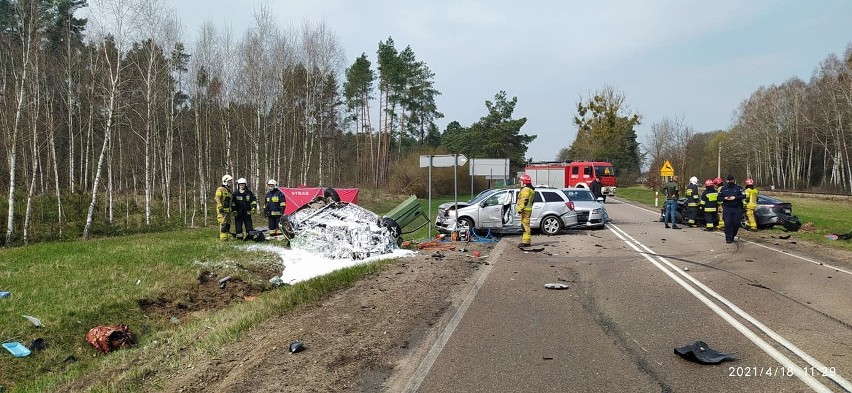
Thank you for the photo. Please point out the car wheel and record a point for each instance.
(286, 227)
(466, 224)
(679, 217)
(330, 195)
(551, 225)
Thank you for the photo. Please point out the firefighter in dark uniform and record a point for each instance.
(274, 207)
(732, 196)
(709, 204)
(223, 207)
(245, 203)
(693, 199)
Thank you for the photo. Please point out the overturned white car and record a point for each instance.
(340, 230)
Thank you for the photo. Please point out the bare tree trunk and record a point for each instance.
(34, 117)
(26, 37)
(112, 92)
(51, 141)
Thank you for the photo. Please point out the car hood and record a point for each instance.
(448, 205)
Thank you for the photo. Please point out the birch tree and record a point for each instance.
(22, 47)
(116, 15)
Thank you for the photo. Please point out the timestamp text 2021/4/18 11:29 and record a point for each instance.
(778, 371)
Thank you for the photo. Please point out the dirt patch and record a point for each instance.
(359, 339)
(214, 291)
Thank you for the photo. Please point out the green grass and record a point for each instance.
(72, 286)
(819, 217)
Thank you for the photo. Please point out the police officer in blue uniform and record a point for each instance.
(732, 196)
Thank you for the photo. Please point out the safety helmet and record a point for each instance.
(526, 179)
(749, 182)
(271, 183)
(242, 180)
(226, 179)
(708, 183)
(693, 180)
(717, 181)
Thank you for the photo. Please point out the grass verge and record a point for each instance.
(155, 283)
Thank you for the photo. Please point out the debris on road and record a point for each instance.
(700, 352)
(556, 285)
(296, 346)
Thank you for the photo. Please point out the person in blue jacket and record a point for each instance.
(731, 196)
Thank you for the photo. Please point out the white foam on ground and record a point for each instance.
(300, 265)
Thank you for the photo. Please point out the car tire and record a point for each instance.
(551, 225)
(330, 195)
(286, 227)
(467, 223)
(679, 217)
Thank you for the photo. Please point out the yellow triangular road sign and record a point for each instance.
(667, 169)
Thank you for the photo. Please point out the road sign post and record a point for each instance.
(444, 160)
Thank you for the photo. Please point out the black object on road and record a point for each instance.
(297, 346)
(700, 352)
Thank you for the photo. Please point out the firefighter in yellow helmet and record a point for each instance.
(524, 207)
(224, 198)
(750, 202)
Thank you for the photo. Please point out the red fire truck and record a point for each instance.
(573, 174)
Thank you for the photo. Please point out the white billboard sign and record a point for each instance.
(496, 167)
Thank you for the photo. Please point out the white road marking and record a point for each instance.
(815, 262)
(745, 331)
(438, 346)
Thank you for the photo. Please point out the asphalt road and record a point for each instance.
(635, 292)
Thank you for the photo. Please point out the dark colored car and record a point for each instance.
(769, 212)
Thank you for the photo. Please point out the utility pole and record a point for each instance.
(719, 162)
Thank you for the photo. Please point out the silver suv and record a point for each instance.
(495, 210)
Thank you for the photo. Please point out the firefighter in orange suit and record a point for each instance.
(750, 202)
(224, 198)
(524, 207)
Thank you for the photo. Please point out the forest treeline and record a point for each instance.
(112, 123)
(115, 123)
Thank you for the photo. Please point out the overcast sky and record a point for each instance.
(670, 58)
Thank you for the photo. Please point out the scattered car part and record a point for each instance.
(109, 338)
(35, 321)
(700, 352)
(17, 349)
(296, 346)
